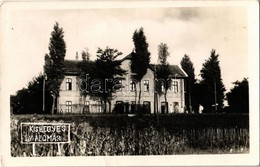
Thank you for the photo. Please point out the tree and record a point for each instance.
(187, 66)
(104, 75)
(163, 72)
(85, 55)
(238, 97)
(87, 70)
(197, 101)
(54, 62)
(141, 58)
(163, 53)
(213, 88)
(30, 100)
(108, 71)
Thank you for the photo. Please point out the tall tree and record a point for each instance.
(108, 75)
(54, 62)
(141, 58)
(238, 97)
(87, 69)
(85, 55)
(163, 73)
(213, 94)
(187, 66)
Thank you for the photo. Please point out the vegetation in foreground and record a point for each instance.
(122, 135)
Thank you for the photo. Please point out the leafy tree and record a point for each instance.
(163, 53)
(197, 92)
(141, 58)
(85, 55)
(187, 66)
(54, 62)
(106, 75)
(163, 72)
(213, 88)
(87, 70)
(238, 97)
(30, 100)
(109, 71)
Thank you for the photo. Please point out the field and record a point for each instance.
(94, 135)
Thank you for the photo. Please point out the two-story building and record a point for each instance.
(71, 100)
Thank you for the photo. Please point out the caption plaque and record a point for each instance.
(45, 133)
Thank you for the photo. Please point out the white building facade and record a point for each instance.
(71, 101)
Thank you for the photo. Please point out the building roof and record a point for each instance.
(71, 67)
(127, 57)
(176, 71)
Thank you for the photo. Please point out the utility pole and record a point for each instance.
(155, 96)
(190, 107)
(43, 92)
(215, 95)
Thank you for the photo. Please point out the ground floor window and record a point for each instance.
(126, 107)
(96, 107)
(175, 107)
(119, 102)
(132, 106)
(99, 107)
(147, 106)
(86, 107)
(164, 106)
(119, 107)
(68, 106)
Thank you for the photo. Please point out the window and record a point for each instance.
(68, 84)
(146, 85)
(118, 85)
(162, 88)
(164, 107)
(175, 86)
(68, 106)
(132, 107)
(86, 103)
(132, 86)
(175, 107)
(161, 84)
(99, 108)
(86, 108)
(119, 107)
(147, 106)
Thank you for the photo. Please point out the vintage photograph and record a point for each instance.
(128, 81)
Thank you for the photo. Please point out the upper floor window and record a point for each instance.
(146, 85)
(175, 86)
(68, 84)
(162, 88)
(118, 85)
(68, 106)
(132, 85)
(86, 103)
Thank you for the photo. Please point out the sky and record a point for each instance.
(194, 31)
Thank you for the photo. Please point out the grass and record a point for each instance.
(93, 135)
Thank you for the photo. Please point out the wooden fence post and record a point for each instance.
(33, 149)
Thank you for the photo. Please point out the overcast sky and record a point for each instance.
(194, 31)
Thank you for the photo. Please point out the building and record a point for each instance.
(71, 100)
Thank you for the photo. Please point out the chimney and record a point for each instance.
(77, 56)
